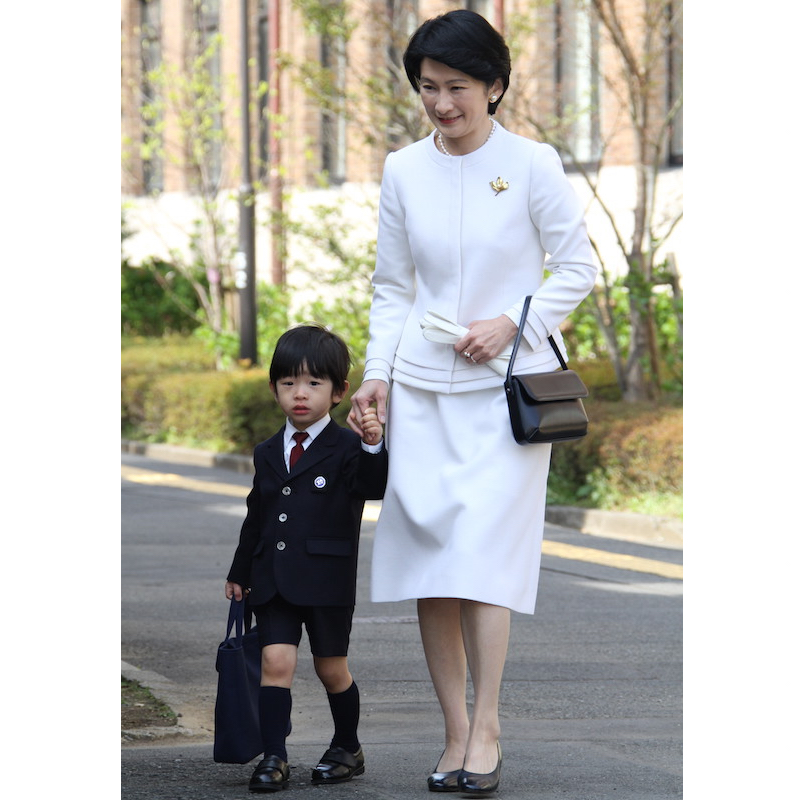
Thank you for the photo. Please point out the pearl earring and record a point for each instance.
(493, 98)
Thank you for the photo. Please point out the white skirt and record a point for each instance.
(463, 513)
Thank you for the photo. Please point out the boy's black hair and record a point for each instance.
(462, 40)
(313, 348)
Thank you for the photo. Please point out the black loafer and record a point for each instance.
(478, 784)
(271, 774)
(338, 766)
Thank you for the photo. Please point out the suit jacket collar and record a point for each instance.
(317, 450)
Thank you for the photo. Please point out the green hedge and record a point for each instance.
(181, 401)
(157, 356)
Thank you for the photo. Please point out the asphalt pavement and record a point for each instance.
(591, 706)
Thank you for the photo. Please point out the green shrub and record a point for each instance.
(156, 356)
(631, 459)
(147, 309)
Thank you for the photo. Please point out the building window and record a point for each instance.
(404, 123)
(150, 60)
(483, 7)
(206, 26)
(403, 19)
(334, 124)
(577, 81)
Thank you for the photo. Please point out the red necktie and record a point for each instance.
(297, 450)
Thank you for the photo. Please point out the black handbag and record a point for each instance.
(237, 731)
(546, 406)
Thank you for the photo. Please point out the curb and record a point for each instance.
(186, 455)
(169, 693)
(625, 526)
(642, 528)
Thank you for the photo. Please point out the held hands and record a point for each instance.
(371, 427)
(371, 391)
(487, 338)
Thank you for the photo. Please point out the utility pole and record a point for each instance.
(245, 262)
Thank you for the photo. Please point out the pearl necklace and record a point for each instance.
(448, 153)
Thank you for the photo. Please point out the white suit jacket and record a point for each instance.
(449, 242)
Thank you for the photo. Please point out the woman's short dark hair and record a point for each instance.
(462, 40)
(313, 348)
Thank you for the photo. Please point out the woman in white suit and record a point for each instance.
(469, 218)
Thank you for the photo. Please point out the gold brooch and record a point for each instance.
(499, 185)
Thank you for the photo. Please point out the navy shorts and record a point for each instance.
(328, 627)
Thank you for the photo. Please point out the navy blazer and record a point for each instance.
(300, 536)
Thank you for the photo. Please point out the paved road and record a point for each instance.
(592, 698)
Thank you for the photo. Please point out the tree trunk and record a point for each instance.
(635, 388)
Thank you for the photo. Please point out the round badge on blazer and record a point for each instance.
(320, 482)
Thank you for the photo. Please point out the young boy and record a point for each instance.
(298, 548)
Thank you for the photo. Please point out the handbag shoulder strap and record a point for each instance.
(558, 352)
(518, 339)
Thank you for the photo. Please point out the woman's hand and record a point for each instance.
(487, 338)
(371, 391)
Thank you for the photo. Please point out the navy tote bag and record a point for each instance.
(237, 733)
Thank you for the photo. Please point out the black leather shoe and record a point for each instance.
(481, 784)
(338, 766)
(271, 774)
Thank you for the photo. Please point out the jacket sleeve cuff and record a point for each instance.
(378, 369)
(535, 330)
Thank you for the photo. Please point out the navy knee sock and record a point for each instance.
(274, 713)
(346, 709)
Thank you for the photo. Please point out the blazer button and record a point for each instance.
(281, 545)
(287, 490)
(283, 517)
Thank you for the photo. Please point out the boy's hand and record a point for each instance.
(233, 590)
(371, 427)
